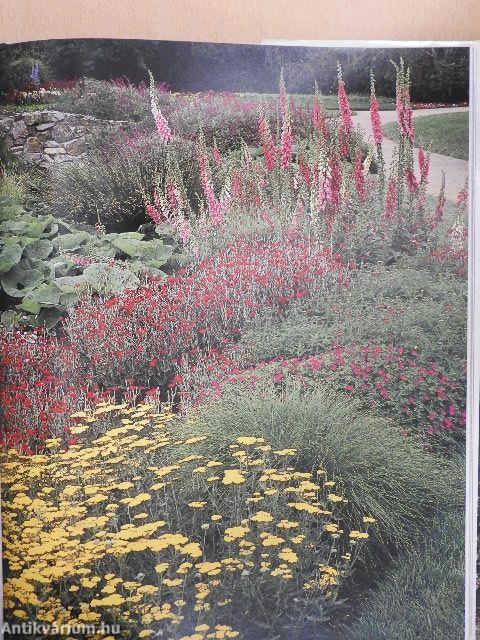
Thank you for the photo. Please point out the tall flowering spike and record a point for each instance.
(305, 171)
(343, 140)
(153, 213)
(402, 102)
(411, 180)
(344, 105)
(287, 145)
(375, 113)
(161, 123)
(268, 144)
(286, 151)
(283, 95)
(438, 215)
(424, 165)
(390, 200)
(461, 200)
(359, 177)
(216, 155)
(318, 116)
(215, 209)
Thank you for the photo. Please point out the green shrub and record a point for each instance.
(114, 182)
(226, 126)
(107, 101)
(385, 475)
(422, 596)
(405, 306)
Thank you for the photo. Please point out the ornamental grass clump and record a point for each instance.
(133, 524)
(380, 470)
(430, 579)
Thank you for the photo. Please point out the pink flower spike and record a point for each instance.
(375, 115)
(153, 213)
(216, 155)
(161, 123)
(344, 107)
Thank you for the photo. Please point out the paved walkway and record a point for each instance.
(456, 170)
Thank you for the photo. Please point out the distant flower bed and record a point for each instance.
(438, 105)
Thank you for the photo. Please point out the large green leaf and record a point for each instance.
(71, 241)
(46, 294)
(135, 248)
(39, 249)
(105, 278)
(29, 306)
(17, 282)
(10, 256)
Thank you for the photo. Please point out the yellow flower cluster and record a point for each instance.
(124, 527)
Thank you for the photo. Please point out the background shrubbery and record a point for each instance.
(439, 73)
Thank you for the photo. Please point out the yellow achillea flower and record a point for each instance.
(197, 505)
(304, 506)
(248, 440)
(369, 520)
(114, 600)
(270, 540)
(334, 498)
(209, 568)
(287, 524)
(262, 516)
(331, 527)
(76, 431)
(161, 567)
(172, 583)
(288, 555)
(233, 476)
(184, 567)
(298, 539)
(134, 502)
(358, 535)
(192, 549)
(232, 533)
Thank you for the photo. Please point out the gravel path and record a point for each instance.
(456, 170)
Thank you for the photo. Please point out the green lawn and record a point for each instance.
(357, 102)
(446, 133)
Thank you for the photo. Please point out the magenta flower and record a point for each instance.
(424, 165)
(216, 155)
(287, 145)
(390, 200)
(318, 119)
(375, 115)
(344, 107)
(359, 177)
(268, 144)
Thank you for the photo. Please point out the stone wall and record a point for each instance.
(43, 137)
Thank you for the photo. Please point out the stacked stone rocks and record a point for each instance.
(46, 137)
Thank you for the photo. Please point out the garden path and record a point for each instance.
(456, 170)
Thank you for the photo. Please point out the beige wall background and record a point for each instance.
(240, 20)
